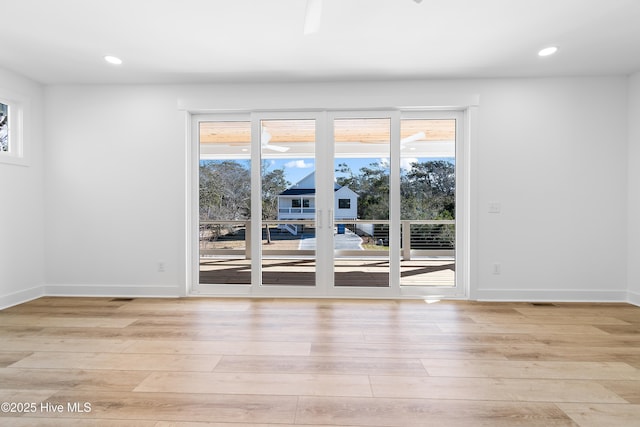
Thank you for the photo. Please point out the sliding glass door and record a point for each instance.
(330, 203)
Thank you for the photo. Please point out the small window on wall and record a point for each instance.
(11, 148)
(295, 203)
(4, 128)
(344, 203)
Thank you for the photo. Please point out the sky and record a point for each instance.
(296, 169)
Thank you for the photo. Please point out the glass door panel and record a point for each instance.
(428, 202)
(224, 202)
(361, 202)
(288, 187)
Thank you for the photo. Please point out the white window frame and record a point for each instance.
(17, 147)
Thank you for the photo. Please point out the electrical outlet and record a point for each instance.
(496, 268)
(161, 266)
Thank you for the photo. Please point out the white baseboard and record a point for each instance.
(561, 295)
(126, 291)
(20, 297)
(132, 291)
(633, 298)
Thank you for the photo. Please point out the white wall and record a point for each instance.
(634, 190)
(115, 196)
(551, 151)
(21, 201)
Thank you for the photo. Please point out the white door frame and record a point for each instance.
(324, 167)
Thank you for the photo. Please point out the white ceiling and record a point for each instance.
(202, 41)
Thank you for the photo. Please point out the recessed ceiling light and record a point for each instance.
(548, 51)
(113, 60)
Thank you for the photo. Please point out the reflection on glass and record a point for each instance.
(225, 202)
(428, 202)
(288, 202)
(361, 206)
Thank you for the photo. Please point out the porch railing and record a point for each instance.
(297, 211)
(419, 238)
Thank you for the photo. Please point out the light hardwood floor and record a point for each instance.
(267, 362)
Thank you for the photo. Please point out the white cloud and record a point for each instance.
(405, 162)
(300, 164)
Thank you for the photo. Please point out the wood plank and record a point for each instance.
(596, 415)
(112, 361)
(220, 347)
(547, 320)
(59, 379)
(321, 365)
(48, 321)
(421, 412)
(43, 343)
(12, 357)
(628, 389)
(531, 328)
(279, 383)
(531, 369)
(507, 389)
(419, 337)
(24, 395)
(395, 350)
(228, 333)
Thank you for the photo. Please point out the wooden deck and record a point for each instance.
(348, 272)
(332, 363)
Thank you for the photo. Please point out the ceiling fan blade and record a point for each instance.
(265, 137)
(277, 148)
(313, 16)
(415, 137)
